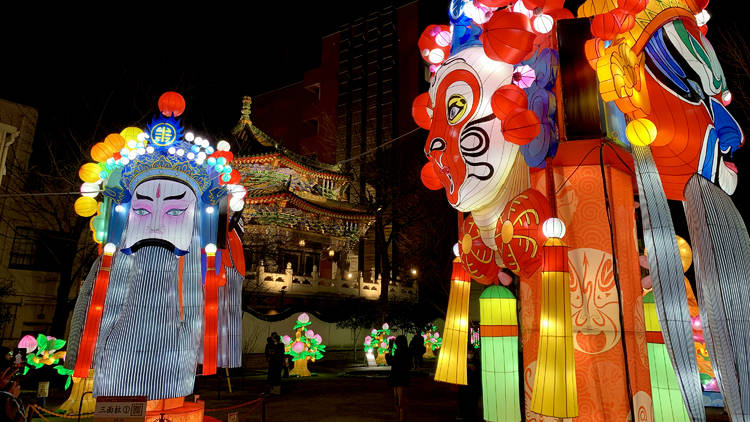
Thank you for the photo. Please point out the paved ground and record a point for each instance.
(338, 392)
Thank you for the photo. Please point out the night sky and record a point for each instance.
(91, 76)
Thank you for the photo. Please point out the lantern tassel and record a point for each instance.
(451, 366)
(555, 392)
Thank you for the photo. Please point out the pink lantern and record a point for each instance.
(318, 338)
(524, 76)
(303, 318)
(286, 339)
(385, 326)
(309, 334)
(298, 346)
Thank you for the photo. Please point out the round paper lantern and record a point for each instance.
(101, 151)
(127, 134)
(89, 173)
(318, 338)
(303, 318)
(118, 141)
(90, 189)
(421, 111)
(286, 339)
(85, 206)
(520, 126)
(508, 37)
(543, 23)
(641, 132)
(309, 334)
(429, 179)
(171, 104)
(507, 98)
(625, 20)
(632, 6)
(605, 26)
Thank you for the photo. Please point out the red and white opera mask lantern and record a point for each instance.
(466, 146)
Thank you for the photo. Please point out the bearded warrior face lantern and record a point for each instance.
(170, 276)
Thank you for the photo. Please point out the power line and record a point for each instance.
(369, 151)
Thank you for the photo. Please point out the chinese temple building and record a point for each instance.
(300, 232)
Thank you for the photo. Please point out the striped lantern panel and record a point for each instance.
(499, 333)
(665, 266)
(230, 321)
(721, 248)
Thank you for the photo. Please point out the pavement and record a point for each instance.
(338, 391)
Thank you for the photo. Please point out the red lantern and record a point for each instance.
(507, 98)
(234, 177)
(604, 26)
(435, 43)
(477, 258)
(429, 179)
(625, 20)
(508, 37)
(560, 13)
(520, 126)
(421, 110)
(632, 6)
(171, 104)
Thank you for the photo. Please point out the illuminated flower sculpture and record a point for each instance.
(432, 342)
(377, 343)
(305, 346)
(165, 294)
(664, 76)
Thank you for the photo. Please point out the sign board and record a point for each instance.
(120, 409)
(43, 389)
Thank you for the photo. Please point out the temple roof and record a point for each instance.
(256, 146)
(310, 203)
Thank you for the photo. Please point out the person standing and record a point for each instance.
(400, 362)
(417, 349)
(274, 355)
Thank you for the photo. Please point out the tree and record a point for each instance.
(357, 319)
(377, 342)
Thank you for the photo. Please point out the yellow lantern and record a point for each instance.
(101, 151)
(89, 173)
(130, 134)
(86, 206)
(451, 366)
(641, 132)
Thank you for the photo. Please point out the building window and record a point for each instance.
(37, 250)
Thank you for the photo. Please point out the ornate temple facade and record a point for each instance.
(300, 230)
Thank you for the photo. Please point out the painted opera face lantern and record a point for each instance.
(161, 214)
(465, 145)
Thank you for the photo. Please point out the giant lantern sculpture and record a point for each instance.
(165, 294)
(534, 202)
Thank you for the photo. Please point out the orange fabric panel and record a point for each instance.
(654, 337)
(599, 358)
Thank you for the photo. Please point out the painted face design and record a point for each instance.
(161, 210)
(465, 144)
